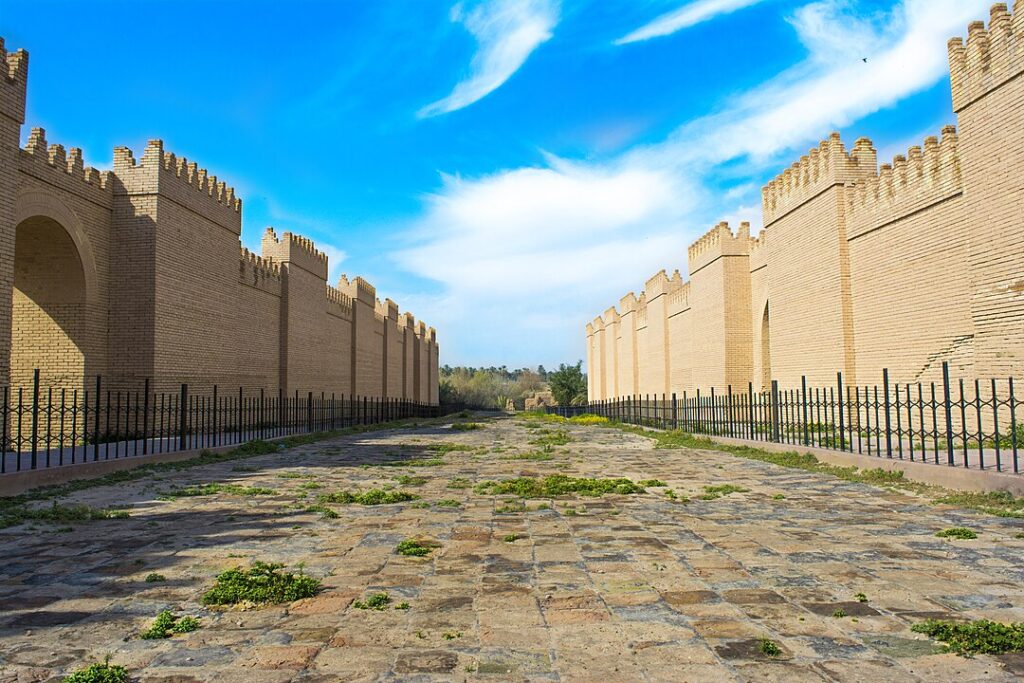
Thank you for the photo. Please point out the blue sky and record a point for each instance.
(504, 169)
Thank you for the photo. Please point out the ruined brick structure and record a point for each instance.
(859, 267)
(138, 273)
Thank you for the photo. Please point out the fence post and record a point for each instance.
(803, 408)
(35, 415)
(949, 417)
(364, 419)
(1013, 427)
(775, 410)
(145, 416)
(96, 421)
(750, 409)
(182, 419)
(732, 417)
(888, 420)
(842, 422)
(675, 412)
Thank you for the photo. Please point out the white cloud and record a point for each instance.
(506, 31)
(522, 247)
(686, 16)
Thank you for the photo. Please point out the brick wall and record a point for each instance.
(859, 267)
(139, 274)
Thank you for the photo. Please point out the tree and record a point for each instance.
(568, 384)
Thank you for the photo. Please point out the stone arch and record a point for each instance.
(766, 349)
(55, 287)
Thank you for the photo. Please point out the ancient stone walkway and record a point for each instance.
(618, 588)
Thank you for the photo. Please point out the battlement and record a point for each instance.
(611, 316)
(628, 303)
(823, 167)
(338, 303)
(358, 289)
(66, 168)
(391, 310)
(990, 57)
(14, 83)
(258, 272)
(294, 249)
(679, 299)
(407, 321)
(759, 251)
(717, 242)
(160, 172)
(909, 183)
(660, 283)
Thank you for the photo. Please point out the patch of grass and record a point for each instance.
(213, 489)
(960, 532)
(166, 624)
(444, 447)
(558, 485)
(511, 538)
(403, 605)
(376, 601)
(467, 426)
(324, 511)
(310, 485)
(860, 597)
(451, 635)
(768, 647)
(651, 482)
(778, 496)
(974, 637)
(713, 492)
(99, 673)
(262, 583)
(589, 419)
(839, 613)
(447, 503)
(558, 437)
(510, 507)
(460, 483)
(998, 503)
(541, 455)
(410, 547)
(58, 514)
(407, 480)
(416, 462)
(370, 497)
(1020, 535)
(155, 578)
(294, 475)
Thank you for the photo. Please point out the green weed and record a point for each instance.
(974, 637)
(155, 578)
(413, 548)
(376, 601)
(370, 497)
(558, 485)
(166, 624)
(713, 492)
(99, 673)
(262, 583)
(213, 489)
(58, 514)
(467, 426)
(957, 532)
(768, 648)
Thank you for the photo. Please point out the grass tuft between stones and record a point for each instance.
(262, 583)
(558, 485)
(99, 673)
(957, 532)
(370, 497)
(768, 648)
(166, 624)
(974, 637)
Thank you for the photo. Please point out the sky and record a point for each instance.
(505, 170)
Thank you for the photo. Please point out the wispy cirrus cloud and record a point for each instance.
(686, 16)
(507, 32)
(567, 239)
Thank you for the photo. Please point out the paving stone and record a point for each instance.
(633, 587)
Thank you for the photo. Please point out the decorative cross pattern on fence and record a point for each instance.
(46, 427)
(972, 424)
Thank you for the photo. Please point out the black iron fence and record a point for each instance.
(48, 427)
(973, 424)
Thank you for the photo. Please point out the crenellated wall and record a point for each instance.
(859, 267)
(139, 274)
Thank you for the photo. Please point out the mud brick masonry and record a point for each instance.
(859, 267)
(139, 273)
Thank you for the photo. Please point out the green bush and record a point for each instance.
(414, 548)
(262, 583)
(370, 497)
(957, 532)
(166, 624)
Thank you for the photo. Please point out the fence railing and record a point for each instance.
(47, 427)
(973, 424)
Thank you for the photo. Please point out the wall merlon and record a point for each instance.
(64, 168)
(14, 84)
(258, 273)
(717, 242)
(294, 249)
(911, 182)
(339, 303)
(990, 57)
(823, 167)
(391, 311)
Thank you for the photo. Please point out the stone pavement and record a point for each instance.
(618, 588)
